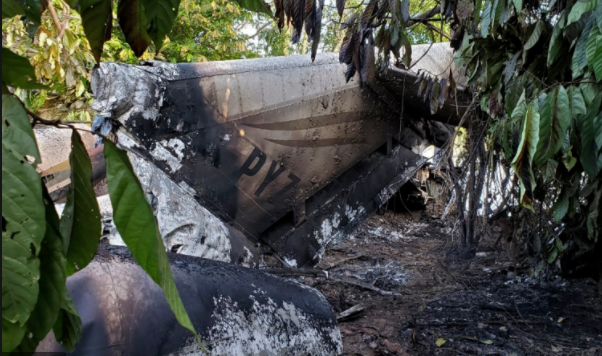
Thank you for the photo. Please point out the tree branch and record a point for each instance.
(259, 31)
(422, 18)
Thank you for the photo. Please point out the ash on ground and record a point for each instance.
(411, 297)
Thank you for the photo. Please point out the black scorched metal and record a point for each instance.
(281, 150)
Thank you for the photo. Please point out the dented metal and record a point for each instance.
(276, 148)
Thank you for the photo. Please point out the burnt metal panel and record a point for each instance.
(236, 311)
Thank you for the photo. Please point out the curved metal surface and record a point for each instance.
(255, 141)
(236, 311)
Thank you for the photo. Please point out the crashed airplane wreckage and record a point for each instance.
(240, 159)
(277, 152)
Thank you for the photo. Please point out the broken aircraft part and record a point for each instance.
(281, 149)
(236, 311)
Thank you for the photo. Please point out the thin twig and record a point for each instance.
(367, 287)
(294, 272)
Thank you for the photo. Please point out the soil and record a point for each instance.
(421, 299)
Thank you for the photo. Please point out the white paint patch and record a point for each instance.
(163, 154)
(269, 330)
(291, 262)
(248, 258)
(177, 147)
(352, 214)
(123, 91)
(227, 138)
(184, 224)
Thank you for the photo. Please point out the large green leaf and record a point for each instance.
(17, 71)
(523, 161)
(255, 6)
(597, 59)
(17, 133)
(561, 208)
(556, 49)
(536, 35)
(12, 334)
(590, 91)
(68, 327)
(555, 119)
(518, 5)
(23, 217)
(136, 223)
(580, 56)
(52, 282)
(97, 19)
(592, 46)
(578, 106)
(598, 15)
(591, 130)
(511, 67)
(581, 8)
(11, 8)
(134, 24)
(81, 224)
(486, 19)
(160, 15)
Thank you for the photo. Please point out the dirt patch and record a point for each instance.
(418, 299)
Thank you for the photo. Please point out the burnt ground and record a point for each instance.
(433, 303)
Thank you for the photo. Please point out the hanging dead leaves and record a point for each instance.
(302, 14)
(389, 19)
(436, 91)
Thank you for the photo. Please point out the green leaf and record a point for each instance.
(17, 133)
(136, 223)
(11, 8)
(256, 6)
(81, 224)
(550, 170)
(161, 15)
(23, 216)
(581, 8)
(22, 210)
(559, 244)
(52, 282)
(591, 130)
(134, 24)
(521, 107)
(553, 256)
(580, 56)
(561, 208)
(486, 20)
(511, 67)
(598, 15)
(12, 334)
(589, 91)
(597, 60)
(17, 72)
(555, 120)
(556, 44)
(97, 19)
(578, 107)
(441, 342)
(518, 5)
(536, 35)
(68, 327)
(522, 163)
(568, 160)
(592, 47)
(496, 12)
